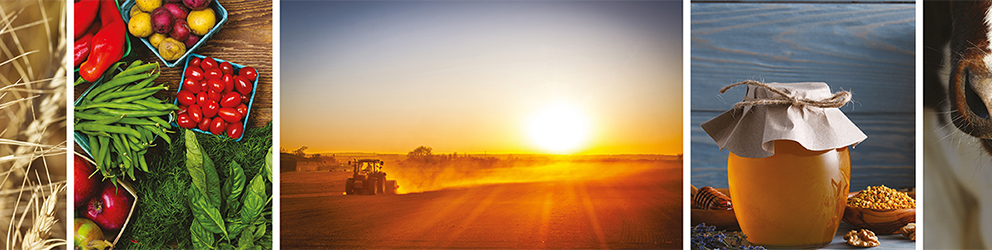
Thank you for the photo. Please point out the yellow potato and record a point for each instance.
(148, 5)
(140, 25)
(171, 49)
(201, 21)
(156, 39)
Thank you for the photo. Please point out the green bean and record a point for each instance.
(133, 64)
(123, 151)
(156, 105)
(142, 163)
(116, 82)
(135, 121)
(127, 99)
(145, 83)
(107, 128)
(144, 113)
(136, 68)
(160, 122)
(109, 120)
(112, 105)
(161, 133)
(145, 134)
(129, 94)
(90, 116)
(105, 152)
(95, 148)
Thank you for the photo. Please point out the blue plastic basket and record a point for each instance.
(218, 10)
(80, 138)
(254, 89)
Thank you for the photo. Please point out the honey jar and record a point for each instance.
(789, 165)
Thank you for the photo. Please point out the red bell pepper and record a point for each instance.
(85, 12)
(109, 12)
(107, 48)
(81, 49)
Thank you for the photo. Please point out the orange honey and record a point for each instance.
(793, 199)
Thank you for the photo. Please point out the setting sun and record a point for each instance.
(559, 129)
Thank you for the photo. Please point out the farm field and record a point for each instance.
(635, 206)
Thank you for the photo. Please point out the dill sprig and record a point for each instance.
(706, 238)
(163, 216)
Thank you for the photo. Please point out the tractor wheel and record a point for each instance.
(370, 186)
(349, 187)
(381, 187)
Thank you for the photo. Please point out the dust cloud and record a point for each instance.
(457, 172)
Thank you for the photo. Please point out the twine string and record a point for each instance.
(838, 100)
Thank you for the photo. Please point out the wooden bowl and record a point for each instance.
(722, 219)
(880, 221)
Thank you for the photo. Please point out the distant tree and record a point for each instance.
(301, 152)
(283, 150)
(422, 153)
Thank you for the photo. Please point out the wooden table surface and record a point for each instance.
(866, 48)
(245, 39)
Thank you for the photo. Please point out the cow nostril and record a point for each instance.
(975, 102)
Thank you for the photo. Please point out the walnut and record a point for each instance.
(909, 231)
(863, 238)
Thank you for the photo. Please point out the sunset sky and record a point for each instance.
(472, 77)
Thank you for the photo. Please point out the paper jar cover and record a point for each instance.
(750, 131)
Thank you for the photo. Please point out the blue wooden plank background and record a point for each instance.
(868, 49)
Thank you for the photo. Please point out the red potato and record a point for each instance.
(197, 4)
(162, 20)
(178, 11)
(180, 30)
(192, 40)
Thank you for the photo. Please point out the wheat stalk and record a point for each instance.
(32, 105)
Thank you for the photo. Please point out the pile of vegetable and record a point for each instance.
(98, 42)
(121, 119)
(99, 206)
(165, 216)
(171, 27)
(214, 97)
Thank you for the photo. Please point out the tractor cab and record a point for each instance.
(368, 178)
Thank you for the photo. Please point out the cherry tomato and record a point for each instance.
(243, 85)
(228, 83)
(195, 113)
(208, 63)
(249, 72)
(242, 109)
(245, 99)
(195, 73)
(235, 129)
(195, 62)
(230, 100)
(217, 126)
(202, 98)
(210, 110)
(182, 109)
(226, 68)
(186, 98)
(229, 114)
(191, 85)
(216, 85)
(214, 96)
(184, 121)
(204, 125)
(213, 73)
(203, 86)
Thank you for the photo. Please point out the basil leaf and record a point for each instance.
(268, 165)
(236, 183)
(225, 246)
(200, 237)
(206, 214)
(194, 160)
(246, 241)
(254, 200)
(212, 181)
(259, 231)
(234, 228)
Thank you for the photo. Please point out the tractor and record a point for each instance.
(368, 178)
